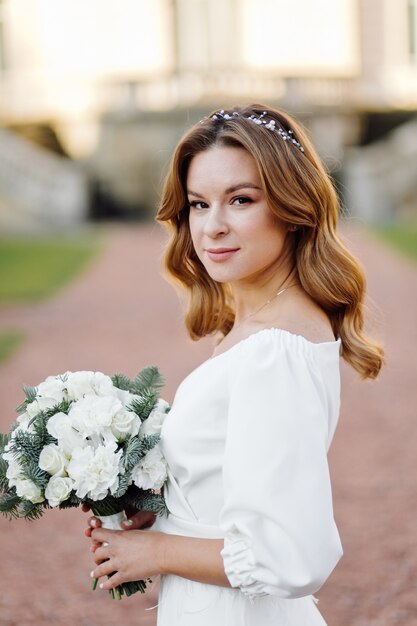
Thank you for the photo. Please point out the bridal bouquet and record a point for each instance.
(83, 437)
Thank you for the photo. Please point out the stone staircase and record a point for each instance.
(39, 190)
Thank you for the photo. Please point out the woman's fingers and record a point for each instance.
(141, 519)
(100, 535)
(104, 569)
(101, 553)
(111, 582)
(93, 522)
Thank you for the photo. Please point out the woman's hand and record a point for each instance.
(126, 556)
(140, 519)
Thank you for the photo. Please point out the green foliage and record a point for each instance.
(108, 506)
(145, 500)
(149, 378)
(60, 407)
(9, 342)
(135, 450)
(146, 386)
(122, 382)
(124, 481)
(27, 445)
(30, 511)
(401, 235)
(30, 393)
(144, 403)
(35, 473)
(39, 426)
(3, 463)
(30, 396)
(132, 453)
(4, 440)
(9, 504)
(32, 269)
(43, 416)
(72, 502)
(149, 441)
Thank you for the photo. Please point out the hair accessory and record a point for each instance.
(286, 135)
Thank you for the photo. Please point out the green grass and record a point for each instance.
(33, 269)
(9, 342)
(401, 236)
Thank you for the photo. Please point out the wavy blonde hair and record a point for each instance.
(299, 192)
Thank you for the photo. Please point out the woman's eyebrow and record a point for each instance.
(229, 189)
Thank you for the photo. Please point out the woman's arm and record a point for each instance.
(139, 554)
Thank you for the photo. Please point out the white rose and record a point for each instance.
(125, 397)
(60, 427)
(53, 387)
(52, 460)
(29, 491)
(80, 384)
(58, 489)
(95, 472)
(94, 415)
(14, 469)
(38, 405)
(151, 471)
(153, 424)
(125, 423)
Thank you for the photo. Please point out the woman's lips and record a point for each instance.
(220, 254)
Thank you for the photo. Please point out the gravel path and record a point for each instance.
(121, 316)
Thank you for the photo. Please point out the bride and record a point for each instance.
(251, 534)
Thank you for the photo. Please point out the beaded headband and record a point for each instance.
(286, 135)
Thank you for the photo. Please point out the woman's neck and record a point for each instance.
(249, 298)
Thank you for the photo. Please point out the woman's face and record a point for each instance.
(234, 233)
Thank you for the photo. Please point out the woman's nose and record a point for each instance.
(216, 223)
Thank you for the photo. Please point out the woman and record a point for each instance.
(251, 535)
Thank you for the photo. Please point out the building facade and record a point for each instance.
(131, 74)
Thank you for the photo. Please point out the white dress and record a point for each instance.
(246, 442)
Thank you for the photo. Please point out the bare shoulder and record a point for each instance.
(301, 315)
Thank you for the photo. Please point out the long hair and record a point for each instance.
(300, 193)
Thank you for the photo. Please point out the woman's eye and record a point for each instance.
(241, 200)
(196, 204)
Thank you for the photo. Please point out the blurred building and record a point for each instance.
(118, 81)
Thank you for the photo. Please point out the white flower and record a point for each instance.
(151, 471)
(153, 424)
(23, 420)
(38, 405)
(53, 387)
(94, 415)
(29, 491)
(52, 460)
(60, 427)
(95, 472)
(80, 384)
(14, 469)
(58, 489)
(125, 423)
(124, 396)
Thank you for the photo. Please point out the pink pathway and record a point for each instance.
(120, 316)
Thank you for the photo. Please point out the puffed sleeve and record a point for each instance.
(277, 517)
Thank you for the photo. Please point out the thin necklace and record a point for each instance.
(278, 293)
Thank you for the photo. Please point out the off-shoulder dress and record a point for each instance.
(246, 442)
